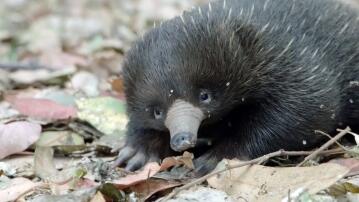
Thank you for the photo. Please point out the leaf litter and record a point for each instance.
(62, 116)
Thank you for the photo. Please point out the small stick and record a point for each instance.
(325, 146)
(256, 161)
(21, 66)
(241, 164)
(330, 137)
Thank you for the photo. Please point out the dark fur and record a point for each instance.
(277, 94)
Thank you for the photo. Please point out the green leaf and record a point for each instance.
(107, 114)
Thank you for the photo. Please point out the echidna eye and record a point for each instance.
(205, 97)
(157, 113)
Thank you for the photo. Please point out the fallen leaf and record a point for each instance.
(77, 196)
(299, 195)
(185, 159)
(111, 141)
(201, 193)
(260, 183)
(17, 136)
(37, 32)
(54, 94)
(83, 182)
(45, 167)
(109, 60)
(91, 46)
(39, 75)
(351, 197)
(83, 149)
(152, 186)
(107, 114)
(102, 104)
(13, 189)
(117, 85)
(6, 111)
(22, 164)
(112, 193)
(86, 82)
(98, 198)
(42, 109)
(23, 93)
(54, 138)
(181, 167)
(342, 189)
(98, 43)
(148, 171)
(6, 169)
(60, 61)
(350, 163)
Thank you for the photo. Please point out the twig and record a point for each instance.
(21, 66)
(330, 137)
(264, 158)
(325, 146)
(229, 167)
(251, 162)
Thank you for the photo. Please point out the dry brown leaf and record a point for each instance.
(142, 179)
(17, 187)
(152, 186)
(117, 85)
(260, 183)
(148, 171)
(185, 159)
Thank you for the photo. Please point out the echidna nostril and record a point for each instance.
(182, 141)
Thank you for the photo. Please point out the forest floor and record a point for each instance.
(62, 117)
